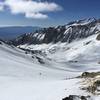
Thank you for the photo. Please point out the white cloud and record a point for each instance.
(36, 15)
(31, 9)
(1, 6)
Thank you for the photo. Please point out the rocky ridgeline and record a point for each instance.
(66, 33)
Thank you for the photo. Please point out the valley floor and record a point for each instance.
(14, 89)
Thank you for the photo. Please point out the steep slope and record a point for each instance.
(67, 33)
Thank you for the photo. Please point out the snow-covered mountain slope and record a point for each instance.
(79, 55)
(14, 62)
(66, 33)
(49, 74)
(24, 78)
(49, 70)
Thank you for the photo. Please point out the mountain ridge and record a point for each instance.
(64, 33)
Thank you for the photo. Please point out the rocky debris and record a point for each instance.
(40, 60)
(76, 97)
(91, 82)
(29, 51)
(73, 61)
(98, 37)
(87, 43)
(93, 86)
(36, 54)
(89, 74)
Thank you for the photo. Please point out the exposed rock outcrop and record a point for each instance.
(66, 33)
(76, 97)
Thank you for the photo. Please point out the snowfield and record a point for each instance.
(37, 90)
(23, 77)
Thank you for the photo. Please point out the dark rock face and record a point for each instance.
(0, 43)
(75, 97)
(89, 74)
(98, 37)
(66, 33)
(40, 60)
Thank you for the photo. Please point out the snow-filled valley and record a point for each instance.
(56, 63)
(84, 53)
(49, 74)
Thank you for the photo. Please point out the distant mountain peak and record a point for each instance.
(83, 21)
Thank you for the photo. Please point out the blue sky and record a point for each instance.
(61, 12)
